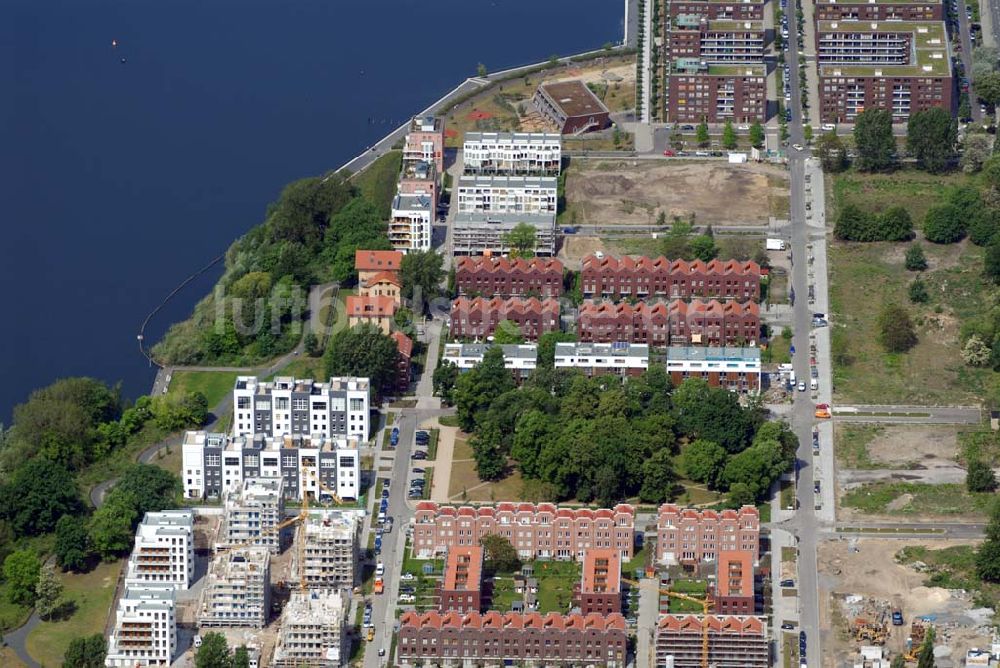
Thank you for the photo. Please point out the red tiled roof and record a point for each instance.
(691, 513)
(385, 277)
(630, 264)
(372, 260)
(370, 306)
(404, 344)
(718, 624)
(491, 511)
(495, 619)
(513, 305)
(507, 265)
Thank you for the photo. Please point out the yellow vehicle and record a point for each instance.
(371, 633)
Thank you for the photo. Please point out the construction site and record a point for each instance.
(311, 632)
(873, 608)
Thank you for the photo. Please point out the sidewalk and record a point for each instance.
(442, 465)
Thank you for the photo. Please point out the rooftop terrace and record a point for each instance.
(929, 55)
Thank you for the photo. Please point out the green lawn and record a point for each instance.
(850, 443)
(693, 588)
(305, 367)
(215, 385)
(555, 585)
(864, 276)
(91, 593)
(979, 445)
(11, 614)
(170, 461)
(924, 499)
(637, 562)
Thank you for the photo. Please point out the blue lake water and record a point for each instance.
(118, 180)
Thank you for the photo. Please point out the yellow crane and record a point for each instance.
(705, 603)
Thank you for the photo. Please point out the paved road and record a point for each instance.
(992, 7)
(909, 414)
(966, 56)
(929, 530)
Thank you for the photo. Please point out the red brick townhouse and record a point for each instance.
(733, 591)
(404, 353)
(503, 277)
(600, 587)
(462, 586)
(688, 536)
(433, 638)
(536, 531)
(478, 318)
(677, 323)
(643, 277)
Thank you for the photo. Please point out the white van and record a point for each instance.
(813, 384)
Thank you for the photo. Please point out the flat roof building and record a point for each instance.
(623, 359)
(331, 550)
(163, 553)
(734, 368)
(410, 222)
(425, 141)
(879, 10)
(733, 592)
(237, 590)
(901, 66)
(727, 10)
(286, 405)
(512, 153)
(461, 588)
(485, 233)
(314, 465)
(732, 641)
(521, 359)
(253, 508)
(571, 107)
(600, 587)
(312, 630)
(506, 194)
(145, 631)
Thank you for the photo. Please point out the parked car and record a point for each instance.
(407, 598)
(687, 128)
(407, 577)
(569, 230)
(816, 486)
(669, 153)
(419, 454)
(788, 626)
(787, 583)
(418, 471)
(802, 386)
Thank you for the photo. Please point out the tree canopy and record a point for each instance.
(873, 137)
(37, 495)
(521, 240)
(86, 652)
(931, 136)
(363, 351)
(421, 273)
(895, 329)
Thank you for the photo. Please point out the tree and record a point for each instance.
(507, 332)
(975, 352)
(86, 652)
(895, 329)
(703, 247)
(48, 591)
(72, 547)
(520, 240)
(984, 225)
(807, 133)
(701, 134)
(213, 653)
(20, 571)
(979, 476)
(547, 346)
(988, 556)
(930, 138)
(363, 351)
(729, 136)
(757, 135)
(421, 273)
(976, 152)
(991, 261)
(240, 658)
(481, 70)
(894, 224)
(711, 413)
(154, 488)
(754, 470)
(915, 260)
(173, 412)
(444, 381)
(944, 224)
(499, 554)
(874, 140)
(704, 462)
(987, 87)
(38, 494)
(918, 292)
(832, 155)
(477, 388)
(311, 344)
(925, 657)
(658, 478)
(112, 525)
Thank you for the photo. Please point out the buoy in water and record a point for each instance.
(124, 61)
(114, 43)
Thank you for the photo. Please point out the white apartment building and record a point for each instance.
(316, 465)
(512, 153)
(312, 630)
(624, 359)
(331, 551)
(411, 222)
(506, 194)
(521, 359)
(237, 590)
(145, 632)
(336, 409)
(736, 369)
(253, 508)
(164, 550)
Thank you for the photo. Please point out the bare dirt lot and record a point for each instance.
(925, 453)
(867, 568)
(634, 192)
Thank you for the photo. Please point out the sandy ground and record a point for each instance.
(624, 73)
(575, 248)
(867, 567)
(624, 192)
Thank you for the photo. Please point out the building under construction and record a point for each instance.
(312, 630)
(254, 507)
(733, 640)
(330, 553)
(237, 590)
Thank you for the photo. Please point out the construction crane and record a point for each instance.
(705, 603)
